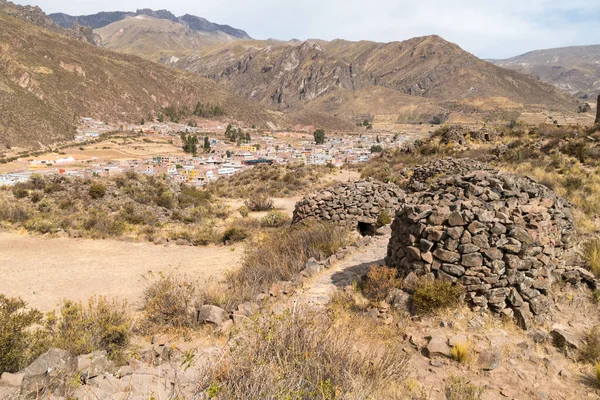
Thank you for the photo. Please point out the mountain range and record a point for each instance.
(124, 66)
(48, 81)
(102, 19)
(574, 69)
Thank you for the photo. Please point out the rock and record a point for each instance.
(410, 282)
(211, 314)
(226, 327)
(247, 309)
(51, 372)
(94, 364)
(457, 339)
(538, 335)
(437, 347)
(565, 339)
(489, 360)
(13, 380)
(523, 317)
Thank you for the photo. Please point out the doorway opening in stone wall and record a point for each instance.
(367, 229)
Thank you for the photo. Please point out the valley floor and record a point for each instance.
(44, 271)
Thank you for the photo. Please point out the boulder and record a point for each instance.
(211, 314)
(51, 372)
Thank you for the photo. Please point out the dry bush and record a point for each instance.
(169, 301)
(275, 219)
(379, 281)
(234, 234)
(97, 190)
(433, 295)
(304, 355)
(275, 180)
(597, 373)
(590, 352)
(98, 325)
(259, 202)
(20, 341)
(458, 388)
(283, 253)
(244, 211)
(384, 219)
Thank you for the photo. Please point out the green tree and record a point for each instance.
(206, 145)
(366, 122)
(143, 121)
(190, 143)
(160, 117)
(376, 148)
(377, 139)
(228, 154)
(319, 136)
(248, 138)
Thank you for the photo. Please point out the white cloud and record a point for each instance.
(490, 29)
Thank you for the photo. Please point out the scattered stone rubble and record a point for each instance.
(503, 237)
(351, 203)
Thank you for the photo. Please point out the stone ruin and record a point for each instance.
(501, 236)
(425, 174)
(353, 204)
(457, 134)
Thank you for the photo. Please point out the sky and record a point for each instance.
(486, 28)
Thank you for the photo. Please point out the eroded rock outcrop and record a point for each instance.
(503, 237)
(351, 203)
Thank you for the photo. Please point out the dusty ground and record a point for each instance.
(43, 271)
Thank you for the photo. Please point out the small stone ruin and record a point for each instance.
(425, 174)
(499, 235)
(353, 204)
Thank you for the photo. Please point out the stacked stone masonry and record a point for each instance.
(351, 203)
(499, 235)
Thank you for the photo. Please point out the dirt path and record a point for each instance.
(317, 292)
(43, 271)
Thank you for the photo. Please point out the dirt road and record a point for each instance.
(43, 271)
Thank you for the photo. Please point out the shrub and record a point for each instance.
(234, 234)
(259, 202)
(432, 295)
(461, 352)
(20, 343)
(458, 388)
(99, 325)
(275, 219)
(591, 252)
(20, 193)
(384, 219)
(169, 301)
(283, 253)
(590, 352)
(304, 355)
(379, 281)
(97, 190)
(244, 211)
(597, 373)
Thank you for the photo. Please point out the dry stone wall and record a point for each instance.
(499, 235)
(351, 203)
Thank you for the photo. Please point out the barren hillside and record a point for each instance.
(574, 69)
(48, 81)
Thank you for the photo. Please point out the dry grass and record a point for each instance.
(283, 253)
(434, 295)
(590, 352)
(128, 204)
(379, 281)
(271, 181)
(591, 252)
(458, 388)
(461, 352)
(305, 354)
